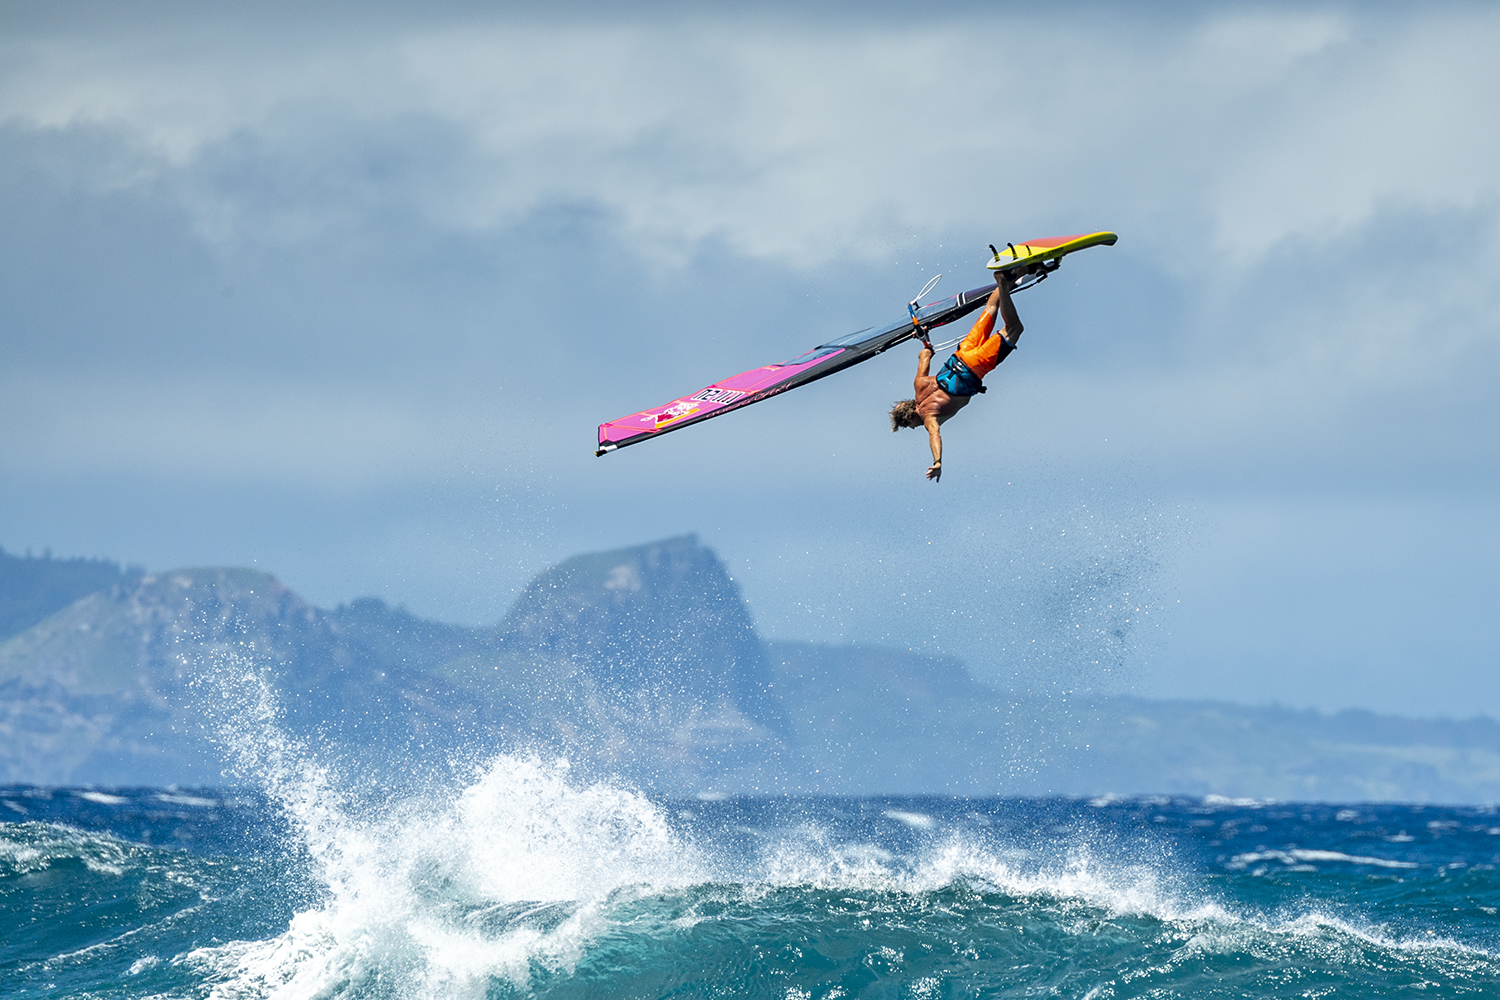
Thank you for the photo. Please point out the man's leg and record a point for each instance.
(984, 358)
(979, 332)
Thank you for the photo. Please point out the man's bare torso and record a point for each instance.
(934, 401)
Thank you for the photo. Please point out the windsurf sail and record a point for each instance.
(761, 383)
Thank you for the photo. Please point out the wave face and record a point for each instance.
(531, 881)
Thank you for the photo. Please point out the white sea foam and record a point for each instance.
(21, 858)
(1336, 940)
(143, 963)
(28, 847)
(1123, 888)
(440, 898)
(1238, 803)
(1291, 857)
(1153, 891)
(807, 855)
(532, 834)
(916, 820)
(196, 801)
(1080, 875)
(510, 875)
(526, 867)
(103, 799)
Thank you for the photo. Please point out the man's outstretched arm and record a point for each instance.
(924, 360)
(935, 442)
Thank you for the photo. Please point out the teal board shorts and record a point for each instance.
(958, 379)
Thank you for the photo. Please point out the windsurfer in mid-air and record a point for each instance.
(936, 400)
(940, 397)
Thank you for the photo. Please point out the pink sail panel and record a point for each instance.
(705, 401)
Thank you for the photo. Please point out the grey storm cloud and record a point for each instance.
(361, 282)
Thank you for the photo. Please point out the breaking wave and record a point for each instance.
(527, 878)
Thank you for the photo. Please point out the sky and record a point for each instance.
(342, 294)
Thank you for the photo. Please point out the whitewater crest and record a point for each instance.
(510, 874)
(527, 876)
(440, 894)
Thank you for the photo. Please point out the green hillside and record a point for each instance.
(34, 587)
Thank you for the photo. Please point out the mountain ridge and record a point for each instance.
(644, 662)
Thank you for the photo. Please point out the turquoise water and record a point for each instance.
(529, 881)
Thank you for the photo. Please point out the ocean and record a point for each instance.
(527, 879)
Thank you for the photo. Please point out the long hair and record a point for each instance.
(904, 414)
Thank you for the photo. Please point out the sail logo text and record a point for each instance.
(716, 395)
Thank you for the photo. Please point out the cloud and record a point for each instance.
(237, 434)
(781, 138)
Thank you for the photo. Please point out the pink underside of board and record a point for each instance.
(661, 417)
